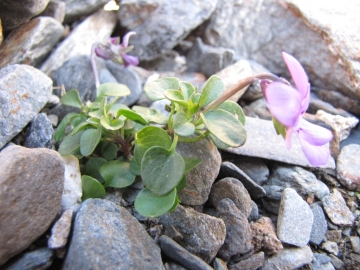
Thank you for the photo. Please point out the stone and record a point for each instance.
(333, 235)
(179, 254)
(203, 235)
(219, 264)
(75, 9)
(319, 104)
(200, 179)
(31, 185)
(254, 215)
(319, 227)
(24, 91)
(254, 262)
(233, 189)
(330, 247)
(347, 167)
(289, 258)
(40, 258)
(238, 231)
(30, 43)
(14, 14)
(40, 133)
(95, 28)
(264, 236)
(355, 243)
(55, 9)
(295, 219)
(338, 264)
(158, 32)
(321, 261)
(170, 61)
(71, 196)
(263, 142)
(61, 230)
(255, 168)
(336, 209)
(231, 170)
(260, 108)
(114, 225)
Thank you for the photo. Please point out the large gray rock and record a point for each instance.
(39, 259)
(77, 8)
(325, 41)
(319, 227)
(107, 236)
(24, 91)
(31, 185)
(40, 133)
(31, 43)
(347, 167)
(159, 32)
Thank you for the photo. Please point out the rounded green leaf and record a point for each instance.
(151, 115)
(91, 187)
(113, 89)
(181, 126)
(117, 174)
(109, 150)
(149, 204)
(187, 89)
(161, 170)
(225, 127)
(233, 108)
(60, 131)
(155, 89)
(72, 98)
(213, 88)
(135, 167)
(177, 97)
(191, 163)
(70, 144)
(92, 167)
(153, 136)
(80, 127)
(111, 124)
(132, 115)
(89, 140)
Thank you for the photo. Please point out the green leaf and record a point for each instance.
(182, 184)
(109, 124)
(150, 204)
(175, 205)
(109, 150)
(132, 115)
(80, 127)
(191, 163)
(233, 108)
(219, 144)
(92, 167)
(113, 89)
(213, 88)
(187, 89)
(60, 131)
(225, 127)
(181, 126)
(91, 187)
(151, 115)
(177, 97)
(280, 128)
(161, 169)
(89, 140)
(135, 167)
(72, 98)
(196, 98)
(93, 121)
(113, 110)
(155, 89)
(153, 136)
(70, 144)
(117, 174)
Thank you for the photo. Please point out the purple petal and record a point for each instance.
(130, 60)
(125, 41)
(297, 73)
(314, 134)
(289, 132)
(316, 155)
(103, 53)
(284, 103)
(114, 40)
(306, 101)
(263, 85)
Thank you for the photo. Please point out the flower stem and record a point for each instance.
(93, 64)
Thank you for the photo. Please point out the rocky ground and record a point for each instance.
(259, 206)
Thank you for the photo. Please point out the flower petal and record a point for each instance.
(130, 60)
(284, 103)
(314, 134)
(102, 52)
(316, 155)
(125, 41)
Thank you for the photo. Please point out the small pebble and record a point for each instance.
(330, 247)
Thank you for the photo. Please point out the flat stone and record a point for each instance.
(61, 230)
(55, 9)
(355, 243)
(219, 264)
(263, 142)
(321, 262)
(317, 103)
(31, 183)
(40, 133)
(347, 167)
(319, 227)
(40, 258)
(24, 91)
(75, 9)
(333, 235)
(330, 247)
(31, 43)
(254, 262)
(114, 225)
(255, 168)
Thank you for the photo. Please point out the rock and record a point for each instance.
(219, 264)
(263, 142)
(295, 219)
(75, 9)
(95, 28)
(24, 91)
(254, 215)
(338, 264)
(238, 231)
(330, 247)
(203, 235)
(355, 243)
(233, 189)
(320, 45)
(336, 209)
(71, 197)
(200, 179)
(319, 104)
(264, 236)
(31, 185)
(333, 235)
(347, 166)
(289, 258)
(354, 138)
(101, 219)
(173, 266)
(259, 108)
(179, 254)
(41, 258)
(30, 43)
(270, 205)
(55, 9)
(319, 227)
(158, 32)
(14, 14)
(321, 261)
(255, 168)
(252, 263)
(61, 230)
(40, 133)
(169, 61)
(229, 169)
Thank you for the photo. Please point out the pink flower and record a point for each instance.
(288, 105)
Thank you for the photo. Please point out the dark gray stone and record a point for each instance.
(347, 167)
(354, 138)
(40, 133)
(317, 103)
(321, 261)
(75, 9)
(255, 168)
(170, 61)
(252, 263)
(219, 264)
(39, 259)
(106, 236)
(55, 9)
(180, 255)
(254, 215)
(319, 227)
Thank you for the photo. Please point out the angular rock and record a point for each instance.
(347, 167)
(252, 263)
(336, 209)
(263, 142)
(55, 9)
(40, 133)
(169, 61)
(321, 261)
(95, 28)
(31, 185)
(254, 215)
(13, 14)
(330, 247)
(31, 43)
(179, 254)
(255, 168)
(41, 258)
(200, 179)
(159, 32)
(75, 9)
(24, 91)
(219, 264)
(355, 243)
(317, 103)
(319, 227)
(61, 230)
(101, 219)
(233, 189)
(203, 235)
(259, 108)
(295, 219)
(333, 235)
